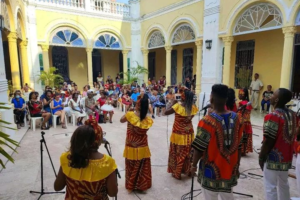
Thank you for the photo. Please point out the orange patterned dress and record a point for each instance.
(137, 153)
(88, 182)
(181, 140)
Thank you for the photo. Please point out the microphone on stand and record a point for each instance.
(206, 107)
(104, 141)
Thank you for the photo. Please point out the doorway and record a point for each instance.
(296, 70)
(60, 61)
(97, 64)
(151, 64)
(174, 67)
(187, 67)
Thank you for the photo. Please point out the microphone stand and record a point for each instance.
(110, 154)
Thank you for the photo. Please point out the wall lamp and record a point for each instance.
(208, 44)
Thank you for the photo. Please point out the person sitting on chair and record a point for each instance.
(75, 109)
(35, 109)
(266, 99)
(91, 105)
(19, 108)
(58, 109)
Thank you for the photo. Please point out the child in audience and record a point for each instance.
(266, 99)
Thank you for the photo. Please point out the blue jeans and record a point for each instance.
(263, 102)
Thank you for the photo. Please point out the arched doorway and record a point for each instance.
(97, 64)
(60, 61)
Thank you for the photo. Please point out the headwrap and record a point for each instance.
(98, 131)
(138, 102)
(242, 92)
(182, 92)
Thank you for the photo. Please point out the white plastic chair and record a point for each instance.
(54, 120)
(74, 118)
(33, 121)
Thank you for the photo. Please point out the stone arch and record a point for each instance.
(295, 14)
(149, 33)
(8, 16)
(21, 29)
(112, 31)
(65, 23)
(244, 6)
(67, 36)
(179, 21)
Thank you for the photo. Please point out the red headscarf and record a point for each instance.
(98, 131)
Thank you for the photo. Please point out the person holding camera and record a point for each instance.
(35, 109)
(75, 108)
(58, 109)
(182, 134)
(19, 108)
(84, 171)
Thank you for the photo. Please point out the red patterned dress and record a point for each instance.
(89, 182)
(245, 115)
(181, 140)
(137, 153)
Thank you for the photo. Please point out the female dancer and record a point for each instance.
(230, 104)
(137, 153)
(182, 134)
(244, 113)
(87, 173)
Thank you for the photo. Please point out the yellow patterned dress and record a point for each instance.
(181, 140)
(137, 153)
(89, 182)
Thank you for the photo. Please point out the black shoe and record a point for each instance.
(153, 117)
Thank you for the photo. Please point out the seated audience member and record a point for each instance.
(85, 90)
(149, 81)
(126, 100)
(266, 99)
(35, 109)
(158, 104)
(188, 83)
(75, 108)
(91, 106)
(134, 96)
(19, 108)
(110, 89)
(58, 109)
(106, 106)
(76, 90)
(162, 82)
(84, 171)
(44, 94)
(65, 102)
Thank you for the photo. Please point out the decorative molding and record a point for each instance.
(89, 50)
(125, 52)
(145, 52)
(6, 17)
(156, 40)
(183, 34)
(211, 11)
(199, 43)
(289, 31)
(169, 8)
(168, 48)
(228, 40)
(12, 36)
(24, 44)
(45, 47)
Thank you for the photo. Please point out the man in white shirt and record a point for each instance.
(255, 87)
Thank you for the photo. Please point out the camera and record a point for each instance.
(178, 97)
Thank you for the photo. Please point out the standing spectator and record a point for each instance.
(255, 87)
(19, 108)
(100, 80)
(220, 155)
(276, 155)
(26, 92)
(266, 99)
(188, 83)
(194, 82)
(134, 96)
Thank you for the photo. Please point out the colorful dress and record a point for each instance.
(181, 140)
(219, 138)
(137, 153)
(89, 182)
(282, 128)
(245, 116)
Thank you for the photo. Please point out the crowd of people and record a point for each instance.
(223, 136)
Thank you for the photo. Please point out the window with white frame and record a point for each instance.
(183, 34)
(67, 37)
(156, 40)
(107, 41)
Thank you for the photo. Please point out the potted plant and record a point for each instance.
(51, 78)
(133, 74)
(5, 140)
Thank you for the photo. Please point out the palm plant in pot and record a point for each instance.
(133, 74)
(51, 78)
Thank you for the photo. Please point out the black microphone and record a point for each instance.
(206, 107)
(104, 141)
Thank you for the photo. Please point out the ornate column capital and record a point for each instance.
(289, 31)
(89, 50)
(125, 51)
(168, 48)
(228, 40)
(45, 47)
(199, 43)
(12, 37)
(24, 44)
(145, 51)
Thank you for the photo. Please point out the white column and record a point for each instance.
(90, 66)
(212, 58)
(168, 65)
(145, 54)
(136, 56)
(34, 65)
(199, 44)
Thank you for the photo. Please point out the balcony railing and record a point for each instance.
(97, 6)
(64, 3)
(110, 7)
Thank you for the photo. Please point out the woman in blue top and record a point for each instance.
(57, 108)
(19, 108)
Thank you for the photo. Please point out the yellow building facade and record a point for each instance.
(219, 41)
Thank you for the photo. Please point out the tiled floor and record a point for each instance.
(24, 175)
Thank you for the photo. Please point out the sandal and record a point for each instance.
(64, 126)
